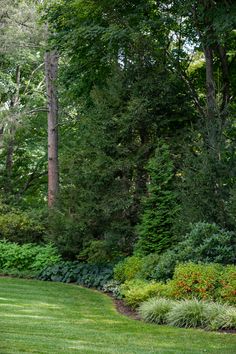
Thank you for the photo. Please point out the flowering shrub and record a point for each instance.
(199, 281)
(228, 284)
(204, 282)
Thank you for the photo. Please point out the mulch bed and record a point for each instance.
(232, 331)
(124, 309)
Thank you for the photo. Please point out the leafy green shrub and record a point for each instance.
(199, 281)
(188, 313)
(45, 256)
(164, 270)
(210, 243)
(137, 291)
(15, 273)
(90, 275)
(206, 243)
(26, 258)
(228, 284)
(128, 269)
(66, 233)
(20, 227)
(155, 310)
(96, 252)
(149, 262)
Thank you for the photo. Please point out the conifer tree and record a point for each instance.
(159, 206)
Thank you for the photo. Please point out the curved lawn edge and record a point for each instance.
(46, 317)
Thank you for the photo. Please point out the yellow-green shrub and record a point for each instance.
(137, 291)
(21, 227)
(128, 269)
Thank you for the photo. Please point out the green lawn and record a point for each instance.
(42, 317)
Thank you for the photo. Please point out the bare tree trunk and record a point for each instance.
(51, 68)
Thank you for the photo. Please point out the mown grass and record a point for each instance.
(42, 317)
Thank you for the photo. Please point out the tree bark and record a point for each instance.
(51, 68)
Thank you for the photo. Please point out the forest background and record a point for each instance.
(146, 125)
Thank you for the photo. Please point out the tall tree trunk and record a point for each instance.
(51, 68)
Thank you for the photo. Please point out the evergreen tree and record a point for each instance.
(159, 206)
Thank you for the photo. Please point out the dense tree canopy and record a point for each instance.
(146, 93)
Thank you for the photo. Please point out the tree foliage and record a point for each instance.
(159, 206)
(146, 119)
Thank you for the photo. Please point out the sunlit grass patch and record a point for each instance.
(41, 317)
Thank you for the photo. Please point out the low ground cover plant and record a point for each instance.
(113, 287)
(90, 275)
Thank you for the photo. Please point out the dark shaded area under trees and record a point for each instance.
(146, 93)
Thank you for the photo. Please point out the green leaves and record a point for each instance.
(27, 257)
(89, 275)
(159, 206)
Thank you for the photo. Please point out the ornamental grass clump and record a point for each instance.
(188, 313)
(156, 310)
(226, 319)
(212, 312)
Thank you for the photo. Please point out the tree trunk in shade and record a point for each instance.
(51, 68)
